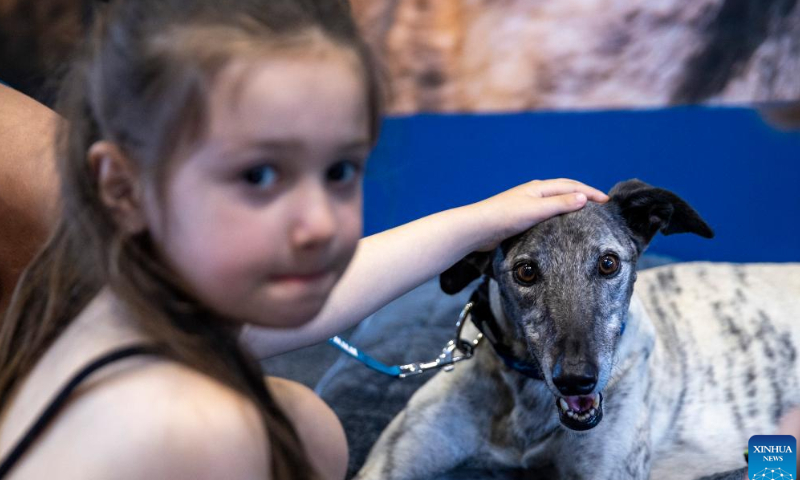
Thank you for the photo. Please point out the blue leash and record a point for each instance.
(362, 357)
(445, 360)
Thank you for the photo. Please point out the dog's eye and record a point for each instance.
(525, 273)
(608, 264)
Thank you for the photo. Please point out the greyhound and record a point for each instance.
(591, 381)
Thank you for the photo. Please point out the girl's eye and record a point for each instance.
(608, 265)
(525, 273)
(262, 177)
(342, 172)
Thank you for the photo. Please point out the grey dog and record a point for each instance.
(592, 380)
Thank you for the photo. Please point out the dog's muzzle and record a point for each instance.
(580, 412)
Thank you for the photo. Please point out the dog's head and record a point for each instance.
(566, 286)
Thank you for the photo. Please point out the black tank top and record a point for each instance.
(55, 406)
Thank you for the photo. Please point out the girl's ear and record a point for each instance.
(118, 186)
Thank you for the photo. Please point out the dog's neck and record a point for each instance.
(639, 333)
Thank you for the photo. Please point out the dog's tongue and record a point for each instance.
(580, 403)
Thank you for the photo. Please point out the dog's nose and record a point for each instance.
(580, 380)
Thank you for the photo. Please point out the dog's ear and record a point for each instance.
(455, 278)
(648, 209)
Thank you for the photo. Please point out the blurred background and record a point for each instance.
(699, 97)
(740, 174)
(485, 94)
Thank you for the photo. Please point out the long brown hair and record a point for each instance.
(142, 81)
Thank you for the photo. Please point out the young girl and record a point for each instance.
(211, 179)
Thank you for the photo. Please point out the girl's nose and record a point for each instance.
(315, 223)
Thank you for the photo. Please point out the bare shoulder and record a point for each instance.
(159, 419)
(317, 426)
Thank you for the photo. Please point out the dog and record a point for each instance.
(591, 380)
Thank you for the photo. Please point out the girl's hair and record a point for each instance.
(142, 81)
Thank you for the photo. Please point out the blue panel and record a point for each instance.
(739, 173)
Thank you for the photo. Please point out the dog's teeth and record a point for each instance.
(563, 404)
(571, 414)
(596, 401)
(593, 412)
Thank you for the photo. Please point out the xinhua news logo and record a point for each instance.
(772, 457)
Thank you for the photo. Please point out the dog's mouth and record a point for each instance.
(580, 412)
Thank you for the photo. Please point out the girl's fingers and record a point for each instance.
(549, 188)
(558, 204)
(571, 186)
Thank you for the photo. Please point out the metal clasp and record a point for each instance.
(450, 353)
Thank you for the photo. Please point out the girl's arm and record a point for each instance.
(388, 264)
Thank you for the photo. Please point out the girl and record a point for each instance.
(211, 179)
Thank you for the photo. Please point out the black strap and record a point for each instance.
(483, 318)
(58, 402)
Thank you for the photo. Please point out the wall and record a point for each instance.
(742, 175)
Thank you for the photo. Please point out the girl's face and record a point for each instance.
(263, 216)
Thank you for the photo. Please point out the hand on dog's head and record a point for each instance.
(644, 209)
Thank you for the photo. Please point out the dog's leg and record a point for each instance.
(738, 474)
(438, 429)
(420, 442)
(612, 456)
(638, 458)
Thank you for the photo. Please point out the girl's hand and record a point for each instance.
(516, 210)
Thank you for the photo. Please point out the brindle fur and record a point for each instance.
(707, 359)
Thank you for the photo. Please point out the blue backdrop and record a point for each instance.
(740, 174)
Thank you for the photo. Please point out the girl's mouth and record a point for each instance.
(304, 280)
(302, 277)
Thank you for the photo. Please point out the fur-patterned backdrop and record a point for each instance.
(512, 55)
